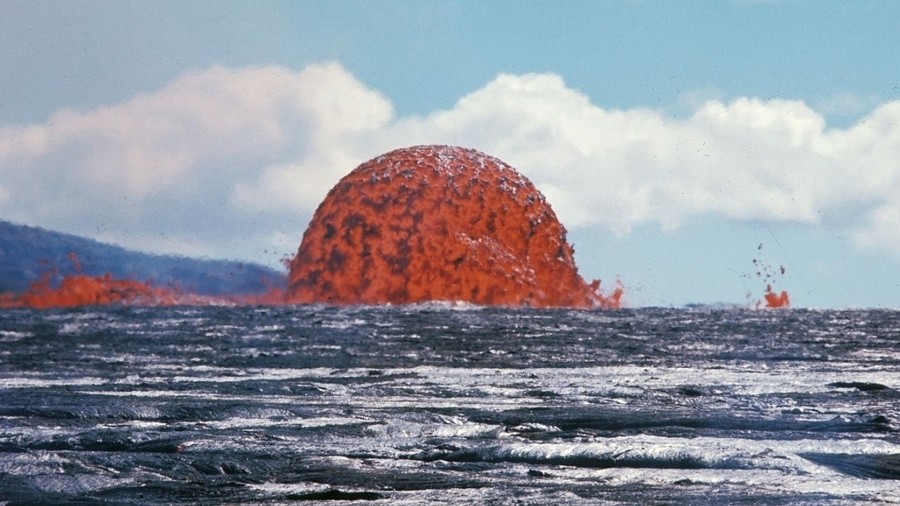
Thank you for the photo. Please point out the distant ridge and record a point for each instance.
(28, 252)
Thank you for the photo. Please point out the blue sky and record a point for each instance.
(672, 138)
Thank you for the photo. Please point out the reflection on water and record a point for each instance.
(442, 404)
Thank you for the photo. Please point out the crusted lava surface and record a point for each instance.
(438, 223)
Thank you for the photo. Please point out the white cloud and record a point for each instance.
(203, 157)
(228, 157)
(748, 159)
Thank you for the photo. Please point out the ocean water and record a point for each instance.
(437, 404)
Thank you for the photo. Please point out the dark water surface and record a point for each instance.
(435, 404)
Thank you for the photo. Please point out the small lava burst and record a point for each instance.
(439, 223)
(776, 300)
(769, 274)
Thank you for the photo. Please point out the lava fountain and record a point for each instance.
(438, 223)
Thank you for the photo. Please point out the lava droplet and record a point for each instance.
(439, 223)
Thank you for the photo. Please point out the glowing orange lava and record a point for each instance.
(80, 289)
(774, 300)
(439, 223)
(83, 290)
(770, 274)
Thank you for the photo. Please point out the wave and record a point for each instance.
(644, 452)
(885, 467)
(658, 453)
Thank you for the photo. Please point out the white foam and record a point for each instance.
(9, 336)
(44, 382)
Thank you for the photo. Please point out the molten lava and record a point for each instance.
(80, 289)
(769, 274)
(431, 223)
(774, 300)
(83, 290)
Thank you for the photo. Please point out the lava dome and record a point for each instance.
(438, 223)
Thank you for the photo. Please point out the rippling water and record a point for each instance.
(436, 404)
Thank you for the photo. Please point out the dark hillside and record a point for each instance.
(28, 252)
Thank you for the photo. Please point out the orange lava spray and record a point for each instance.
(83, 290)
(80, 289)
(774, 300)
(770, 275)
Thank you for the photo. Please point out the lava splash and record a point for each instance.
(776, 300)
(80, 289)
(439, 223)
(83, 290)
(770, 274)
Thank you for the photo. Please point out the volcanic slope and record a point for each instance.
(438, 223)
